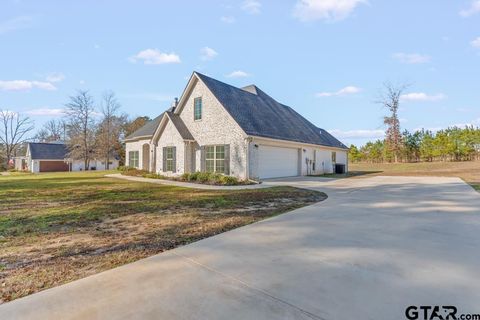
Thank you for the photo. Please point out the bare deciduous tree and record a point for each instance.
(390, 99)
(81, 127)
(53, 130)
(110, 127)
(14, 129)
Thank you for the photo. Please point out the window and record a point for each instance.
(215, 159)
(197, 108)
(334, 157)
(133, 159)
(169, 159)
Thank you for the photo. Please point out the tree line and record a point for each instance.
(90, 129)
(451, 144)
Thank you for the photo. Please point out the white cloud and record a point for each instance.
(154, 56)
(55, 77)
(228, 19)
(82, 82)
(473, 9)
(16, 23)
(96, 46)
(207, 53)
(421, 96)
(475, 43)
(328, 10)
(342, 92)
(46, 112)
(238, 74)
(411, 58)
(251, 6)
(358, 134)
(23, 85)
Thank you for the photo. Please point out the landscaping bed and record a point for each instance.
(194, 177)
(59, 227)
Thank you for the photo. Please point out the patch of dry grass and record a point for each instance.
(55, 228)
(469, 171)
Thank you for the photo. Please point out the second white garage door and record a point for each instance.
(276, 162)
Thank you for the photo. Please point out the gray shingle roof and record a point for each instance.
(48, 151)
(180, 125)
(148, 129)
(260, 115)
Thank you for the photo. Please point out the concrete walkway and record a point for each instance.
(186, 184)
(374, 247)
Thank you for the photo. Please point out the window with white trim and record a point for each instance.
(133, 159)
(334, 157)
(215, 159)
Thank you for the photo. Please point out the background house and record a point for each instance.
(53, 157)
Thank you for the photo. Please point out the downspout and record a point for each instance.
(247, 157)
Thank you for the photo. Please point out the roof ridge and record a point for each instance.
(227, 84)
(54, 143)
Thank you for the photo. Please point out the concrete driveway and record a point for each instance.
(374, 247)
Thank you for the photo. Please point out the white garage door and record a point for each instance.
(276, 162)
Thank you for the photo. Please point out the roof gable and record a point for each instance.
(177, 123)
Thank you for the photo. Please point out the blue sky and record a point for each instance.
(327, 59)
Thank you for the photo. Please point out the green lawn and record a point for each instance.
(59, 227)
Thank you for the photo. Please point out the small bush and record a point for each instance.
(193, 176)
(229, 180)
(203, 177)
(125, 168)
(134, 172)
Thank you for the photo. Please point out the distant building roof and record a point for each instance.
(258, 114)
(52, 151)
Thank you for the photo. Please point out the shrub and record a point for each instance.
(125, 168)
(229, 180)
(203, 177)
(193, 176)
(134, 172)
